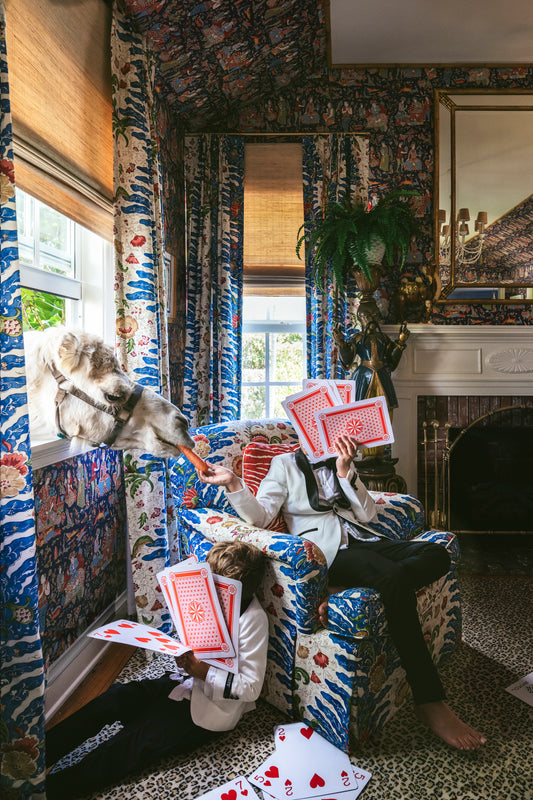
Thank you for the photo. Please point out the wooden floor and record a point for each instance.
(97, 681)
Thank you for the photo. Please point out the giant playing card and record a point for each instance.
(303, 765)
(193, 602)
(367, 421)
(126, 631)
(301, 409)
(346, 389)
(229, 593)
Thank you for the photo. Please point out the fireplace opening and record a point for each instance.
(490, 469)
(475, 463)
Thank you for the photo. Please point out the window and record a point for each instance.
(64, 272)
(274, 328)
(273, 353)
(64, 269)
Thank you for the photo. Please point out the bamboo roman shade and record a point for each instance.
(273, 214)
(59, 66)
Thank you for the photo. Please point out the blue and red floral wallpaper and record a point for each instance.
(262, 68)
(81, 545)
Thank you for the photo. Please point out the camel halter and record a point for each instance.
(121, 415)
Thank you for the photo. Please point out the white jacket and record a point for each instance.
(219, 702)
(285, 488)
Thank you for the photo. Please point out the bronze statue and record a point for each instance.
(378, 356)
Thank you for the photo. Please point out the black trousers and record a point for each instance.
(154, 727)
(397, 570)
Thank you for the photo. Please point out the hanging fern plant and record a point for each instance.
(347, 231)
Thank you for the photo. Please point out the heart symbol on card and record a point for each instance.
(316, 780)
(307, 732)
(272, 772)
(231, 795)
(288, 783)
(110, 632)
(267, 783)
(142, 639)
(125, 625)
(344, 774)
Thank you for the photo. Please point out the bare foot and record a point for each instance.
(440, 718)
(323, 607)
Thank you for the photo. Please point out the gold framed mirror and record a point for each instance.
(484, 195)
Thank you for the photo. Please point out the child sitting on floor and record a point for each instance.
(166, 716)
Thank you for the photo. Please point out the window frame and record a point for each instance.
(268, 327)
(92, 309)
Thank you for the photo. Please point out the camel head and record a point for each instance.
(93, 393)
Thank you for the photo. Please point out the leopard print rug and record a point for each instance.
(406, 762)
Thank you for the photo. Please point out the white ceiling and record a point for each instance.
(431, 32)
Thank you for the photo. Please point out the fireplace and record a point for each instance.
(451, 376)
(475, 468)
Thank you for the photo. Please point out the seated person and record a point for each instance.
(328, 504)
(165, 716)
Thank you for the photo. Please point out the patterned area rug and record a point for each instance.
(406, 762)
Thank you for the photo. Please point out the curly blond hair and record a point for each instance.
(240, 561)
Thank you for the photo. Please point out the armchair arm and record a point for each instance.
(399, 516)
(358, 613)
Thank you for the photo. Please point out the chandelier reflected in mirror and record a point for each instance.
(467, 250)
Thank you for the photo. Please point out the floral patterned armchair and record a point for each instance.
(346, 680)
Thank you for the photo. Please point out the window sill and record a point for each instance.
(44, 453)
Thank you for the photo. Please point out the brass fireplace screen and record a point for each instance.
(477, 477)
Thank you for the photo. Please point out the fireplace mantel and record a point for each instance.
(455, 360)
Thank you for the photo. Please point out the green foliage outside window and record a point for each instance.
(41, 310)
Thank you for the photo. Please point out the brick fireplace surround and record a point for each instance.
(454, 374)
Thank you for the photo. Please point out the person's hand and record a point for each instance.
(192, 665)
(346, 447)
(220, 476)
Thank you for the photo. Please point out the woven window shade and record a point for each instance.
(59, 65)
(273, 214)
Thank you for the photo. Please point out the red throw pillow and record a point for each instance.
(256, 458)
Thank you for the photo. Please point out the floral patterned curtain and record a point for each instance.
(22, 685)
(140, 298)
(333, 165)
(214, 173)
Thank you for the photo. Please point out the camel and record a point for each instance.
(77, 390)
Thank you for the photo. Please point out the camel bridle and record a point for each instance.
(121, 414)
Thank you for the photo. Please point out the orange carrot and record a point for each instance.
(198, 463)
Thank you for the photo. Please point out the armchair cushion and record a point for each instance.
(256, 458)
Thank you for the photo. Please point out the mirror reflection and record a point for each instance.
(484, 216)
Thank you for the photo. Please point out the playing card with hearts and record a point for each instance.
(305, 744)
(368, 421)
(304, 765)
(301, 409)
(126, 631)
(195, 609)
(361, 778)
(237, 789)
